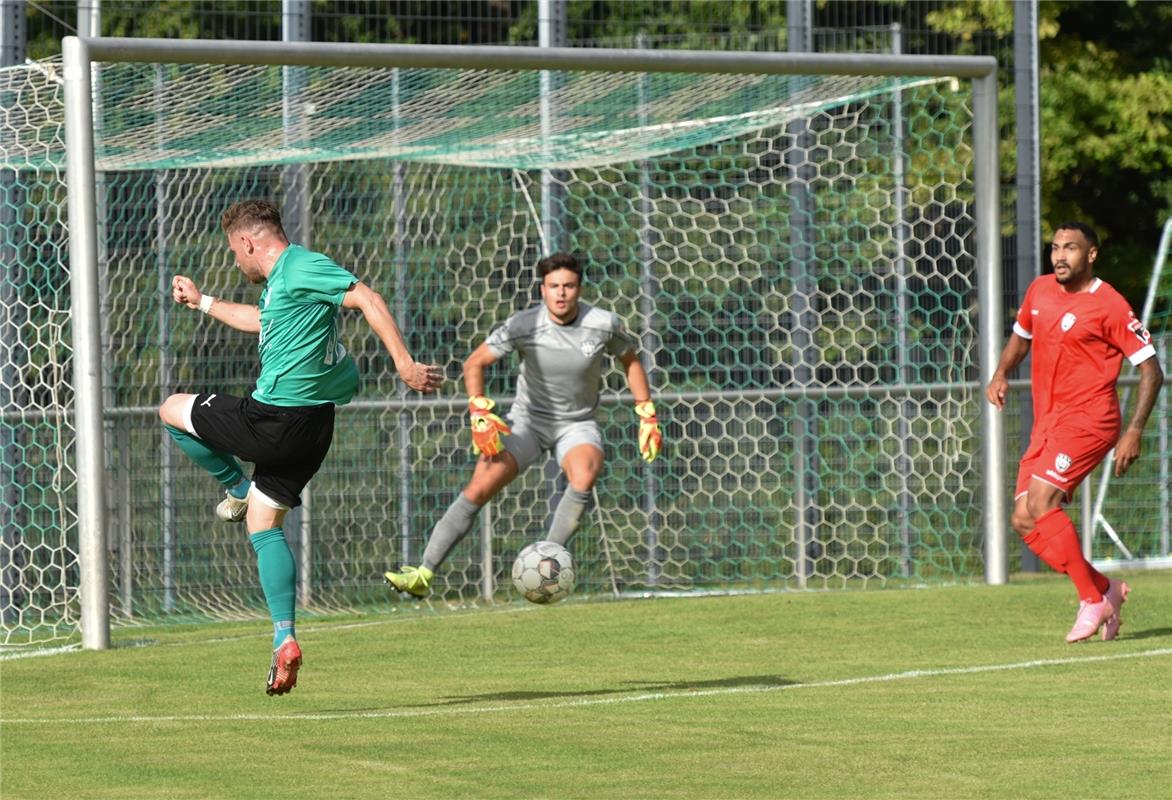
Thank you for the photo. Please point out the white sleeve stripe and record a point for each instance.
(1141, 355)
(1020, 331)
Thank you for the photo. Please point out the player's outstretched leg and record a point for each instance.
(452, 527)
(1117, 593)
(415, 581)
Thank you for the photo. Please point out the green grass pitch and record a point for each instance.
(954, 692)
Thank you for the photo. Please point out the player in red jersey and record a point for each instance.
(1080, 329)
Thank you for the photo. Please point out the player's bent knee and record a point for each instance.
(171, 411)
(1022, 523)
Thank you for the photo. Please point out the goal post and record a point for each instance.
(592, 151)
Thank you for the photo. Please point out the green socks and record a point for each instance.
(278, 578)
(223, 467)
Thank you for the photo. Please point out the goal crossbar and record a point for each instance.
(80, 54)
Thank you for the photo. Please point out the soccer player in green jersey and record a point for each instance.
(562, 344)
(285, 427)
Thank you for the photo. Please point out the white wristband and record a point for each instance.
(205, 303)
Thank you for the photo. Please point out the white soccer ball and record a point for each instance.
(544, 572)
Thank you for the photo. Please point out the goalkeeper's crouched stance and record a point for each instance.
(562, 344)
(286, 425)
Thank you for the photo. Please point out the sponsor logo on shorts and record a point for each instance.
(207, 402)
(1062, 479)
(1062, 463)
(1068, 321)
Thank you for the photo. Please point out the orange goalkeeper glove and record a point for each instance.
(650, 439)
(487, 427)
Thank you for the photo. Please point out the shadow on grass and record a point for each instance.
(628, 688)
(1150, 633)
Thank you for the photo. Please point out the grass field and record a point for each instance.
(954, 692)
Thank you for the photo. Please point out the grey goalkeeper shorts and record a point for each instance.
(533, 436)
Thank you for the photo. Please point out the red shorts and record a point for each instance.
(1061, 457)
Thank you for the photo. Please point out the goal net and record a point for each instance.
(795, 252)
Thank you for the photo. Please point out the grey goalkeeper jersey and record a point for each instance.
(561, 365)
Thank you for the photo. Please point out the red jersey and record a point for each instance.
(1078, 342)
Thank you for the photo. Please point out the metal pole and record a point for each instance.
(551, 32)
(487, 581)
(649, 289)
(87, 349)
(1029, 200)
(166, 372)
(296, 217)
(906, 371)
(804, 322)
(990, 319)
(12, 397)
(1165, 478)
(13, 33)
(597, 59)
(402, 286)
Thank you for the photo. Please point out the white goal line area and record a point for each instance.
(640, 697)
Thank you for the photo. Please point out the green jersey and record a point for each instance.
(302, 363)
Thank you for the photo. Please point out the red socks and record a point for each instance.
(1055, 541)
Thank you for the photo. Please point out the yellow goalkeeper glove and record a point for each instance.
(487, 427)
(650, 439)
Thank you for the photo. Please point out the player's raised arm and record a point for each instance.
(1015, 350)
(420, 377)
(237, 315)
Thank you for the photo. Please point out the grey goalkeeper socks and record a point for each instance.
(567, 515)
(452, 527)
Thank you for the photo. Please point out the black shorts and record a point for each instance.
(287, 444)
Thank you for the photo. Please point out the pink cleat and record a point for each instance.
(1117, 594)
(1090, 617)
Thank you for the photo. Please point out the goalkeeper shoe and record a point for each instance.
(232, 509)
(415, 581)
(283, 670)
(1117, 594)
(1090, 617)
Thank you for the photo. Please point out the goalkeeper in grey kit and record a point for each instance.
(561, 343)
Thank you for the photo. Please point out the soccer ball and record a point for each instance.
(544, 572)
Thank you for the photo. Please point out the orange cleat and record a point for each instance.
(283, 671)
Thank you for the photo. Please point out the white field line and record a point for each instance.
(634, 698)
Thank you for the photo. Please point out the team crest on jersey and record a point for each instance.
(1062, 463)
(590, 348)
(1068, 321)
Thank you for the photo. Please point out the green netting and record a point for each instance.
(795, 253)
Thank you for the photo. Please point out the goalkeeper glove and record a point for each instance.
(650, 439)
(487, 427)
